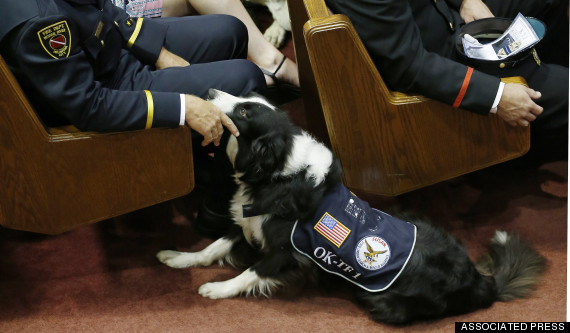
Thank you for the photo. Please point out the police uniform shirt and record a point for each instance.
(64, 53)
(347, 237)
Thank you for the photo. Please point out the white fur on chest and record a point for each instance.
(251, 226)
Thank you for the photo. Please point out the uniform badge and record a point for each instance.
(535, 56)
(56, 40)
(372, 253)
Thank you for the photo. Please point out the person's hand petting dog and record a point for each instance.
(168, 59)
(202, 116)
(472, 10)
(517, 107)
(208, 120)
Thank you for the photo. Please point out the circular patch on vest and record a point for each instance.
(372, 253)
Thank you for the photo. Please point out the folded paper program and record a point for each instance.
(519, 36)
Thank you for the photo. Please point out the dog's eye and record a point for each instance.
(242, 112)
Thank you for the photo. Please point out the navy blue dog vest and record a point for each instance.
(348, 238)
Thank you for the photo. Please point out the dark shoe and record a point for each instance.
(211, 223)
(214, 178)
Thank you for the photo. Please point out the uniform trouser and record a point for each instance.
(549, 132)
(216, 48)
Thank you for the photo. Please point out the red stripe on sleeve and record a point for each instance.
(463, 87)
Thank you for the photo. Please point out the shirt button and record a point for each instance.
(103, 43)
(502, 65)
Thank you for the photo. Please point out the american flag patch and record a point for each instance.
(332, 229)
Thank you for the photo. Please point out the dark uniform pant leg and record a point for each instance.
(549, 132)
(206, 38)
(216, 48)
(237, 77)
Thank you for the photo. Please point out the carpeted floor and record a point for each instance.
(105, 278)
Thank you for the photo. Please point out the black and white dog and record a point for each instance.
(284, 175)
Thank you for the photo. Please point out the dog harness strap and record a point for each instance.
(348, 238)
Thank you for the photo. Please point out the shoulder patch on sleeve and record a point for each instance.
(56, 39)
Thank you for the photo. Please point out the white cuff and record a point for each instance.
(182, 109)
(497, 98)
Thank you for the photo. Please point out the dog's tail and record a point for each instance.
(515, 266)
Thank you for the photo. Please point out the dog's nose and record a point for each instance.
(212, 93)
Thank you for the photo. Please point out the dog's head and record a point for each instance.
(265, 132)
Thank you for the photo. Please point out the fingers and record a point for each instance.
(535, 108)
(209, 137)
(533, 93)
(218, 130)
(217, 135)
(213, 135)
(208, 120)
(517, 105)
(524, 119)
(229, 124)
(529, 117)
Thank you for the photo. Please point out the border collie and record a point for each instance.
(286, 234)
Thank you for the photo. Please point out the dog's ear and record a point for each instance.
(268, 151)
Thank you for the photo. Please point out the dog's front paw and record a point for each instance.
(176, 259)
(217, 290)
(275, 34)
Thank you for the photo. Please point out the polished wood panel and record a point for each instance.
(312, 104)
(56, 179)
(388, 142)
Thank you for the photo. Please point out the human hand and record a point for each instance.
(516, 106)
(206, 119)
(472, 10)
(168, 59)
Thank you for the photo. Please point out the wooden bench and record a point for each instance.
(388, 143)
(57, 179)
